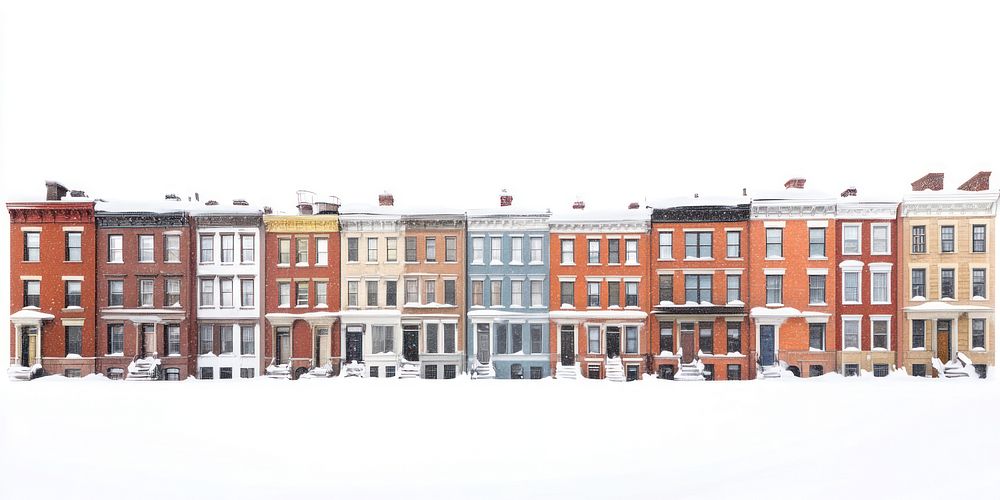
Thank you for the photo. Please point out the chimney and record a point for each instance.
(633, 206)
(696, 195)
(744, 191)
(240, 203)
(579, 205)
(196, 198)
(933, 181)
(267, 210)
(849, 192)
(795, 183)
(506, 200)
(76, 193)
(173, 197)
(978, 182)
(54, 191)
(385, 200)
(211, 203)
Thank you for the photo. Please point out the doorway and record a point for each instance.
(411, 342)
(688, 342)
(767, 345)
(944, 340)
(354, 335)
(483, 342)
(567, 336)
(613, 338)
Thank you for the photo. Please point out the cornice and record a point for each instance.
(139, 219)
(302, 223)
(433, 223)
(793, 209)
(508, 223)
(601, 227)
(949, 208)
(866, 210)
(228, 220)
(50, 212)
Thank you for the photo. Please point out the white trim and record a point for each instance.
(871, 285)
(774, 223)
(817, 223)
(888, 238)
(843, 286)
(773, 271)
(843, 238)
(817, 271)
(72, 278)
(74, 229)
(888, 331)
(843, 321)
(31, 229)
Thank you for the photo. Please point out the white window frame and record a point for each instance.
(635, 242)
(843, 285)
(877, 268)
(284, 294)
(563, 250)
(668, 245)
(888, 238)
(516, 293)
(540, 249)
(152, 248)
(844, 240)
(532, 284)
(516, 250)
(478, 250)
(496, 250)
(322, 251)
(112, 248)
(591, 243)
(888, 331)
(168, 247)
(843, 331)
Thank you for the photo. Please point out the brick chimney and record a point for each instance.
(978, 182)
(849, 192)
(385, 200)
(76, 193)
(633, 206)
(795, 183)
(54, 191)
(172, 196)
(240, 203)
(211, 203)
(933, 181)
(579, 205)
(506, 200)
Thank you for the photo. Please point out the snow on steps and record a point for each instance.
(354, 369)
(142, 369)
(483, 370)
(691, 372)
(23, 373)
(960, 367)
(568, 372)
(325, 371)
(278, 371)
(613, 370)
(409, 369)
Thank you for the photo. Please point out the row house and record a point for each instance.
(52, 287)
(699, 256)
(508, 293)
(144, 289)
(598, 299)
(302, 290)
(947, 277)
(228, 288)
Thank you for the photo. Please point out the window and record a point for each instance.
(880, 287)
(978, 333)
(371, 292)
(947, 238)
(71, 373)
(477, 250)
(979, 283)
(980, 369)
(301, 251)
(631, 294)
(477, 292)
(631, 251)
(698, 288)
(667, 337)
(593, 294)
(817, 289)
(732, 287)
(698, 245)
(593, 339)
(116, 339)
(145, 248)
(225, 373)
(705, 338)
(74, 340)
(817, 242)
(733, 244)
(536, 250)
(917, 332)
(631, 373)
(516, 341)
(536, 339)
(207, 373)
(817, 336)
(593, 251)
(449, 292)
(614, 294)
(173, 340)
(352, 250)
(32, 293)
(228, 248)
(919, 370)
(535, 372)
(115, 249)
(733, 372)
(33, 247)
(301, 294)
(430, 291)
(516, 243)
(352, 293)
(536, 293)
(880, 239)
(495, 249)
(284, 294)
(496, 287)
(390, 293)
(412, 292)
(145, 293)
(567, 252)
(815, 370)
(226, 337)
(852, 287)
(666, 246)
(372, 249)
(390, 371)
(172, 293)
(226, 292)
(709, 372)
(172, 374)
(410, 250)
(321, 294)
(918, 283)
(978, 238)
(566, 293)
(207, 245)
(852, 239)
(285, 251)
(382, 339)
(431, 372)
(116, 293)
(851, 370)
(431, 342)
(247, 249)
(246, 373)
(391, 250)
(880, 369)
(500, 332)
(449, 371)
(948, 283)
(918, 239)
(74, 291)
(880, 334)
(516, 293)
(450, 249)
(614, 252)
(594, 371)
(666, 288)
(449, 338)
(774, 237)
(430, 249)
(246, 293)
(74, 246)
(773, 287)
(734, 336)
(852, 334)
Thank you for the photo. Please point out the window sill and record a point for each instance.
(845, 303)
(774, 258)
(110, 262)
(536, 263)
(735, 259)
(72, 261)
(632, 264)
(284, 265)
(566, 264)
(880, 349)
(302, 265)
(286, 306)
(664, 260)
(818, 304)
(593, 263)
(811, 257)
(774, 304)
(881, 303)
(515, 264)
(697, 259)
(477, 263)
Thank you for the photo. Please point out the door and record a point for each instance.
(284, 346)
(767, 345)
(29, 334)
(613, 338)
(687, 342)
(567, 338)
(322, 346)
(354, 335)
(148, 340)
(483, 342)
(411, 343)
(944, 340)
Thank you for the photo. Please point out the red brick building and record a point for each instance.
(52, 285)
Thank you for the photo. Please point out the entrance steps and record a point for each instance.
(959, 367)
(23, 373)
(278, 371)
(568, 372)
(691, 372)
(773, 371)
(483, 370)
(325, 371)
(613, 370)
(409, 369)
(354, 369)
(147, 368)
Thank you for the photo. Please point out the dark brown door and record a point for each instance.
(568, 356)
(411, 343)
(944, 340)
(614, 341)
(688, 342)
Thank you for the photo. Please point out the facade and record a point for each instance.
(699, 256)
(508, 293)
(52, 274)
(302, 291)
(228, 289)
(598, 297)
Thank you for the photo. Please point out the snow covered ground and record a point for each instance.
(831, 437)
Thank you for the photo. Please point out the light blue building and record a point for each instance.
(508, 293)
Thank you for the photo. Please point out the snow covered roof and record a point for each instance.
(785, 312)
(601, 214)
(946, 307)
(625, 314)
(508, 211)
(30, 315)
(172, 206)
(701, 200)
(397, 210)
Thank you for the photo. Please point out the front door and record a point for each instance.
(944, 340)
(483, 342)
(29, 336)
(284, 346)
(148, 340)
(354, 336)
(687, 342)
(411, 342)
(322, 347)
(567, 338)
(614, 341)
(767, 345)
